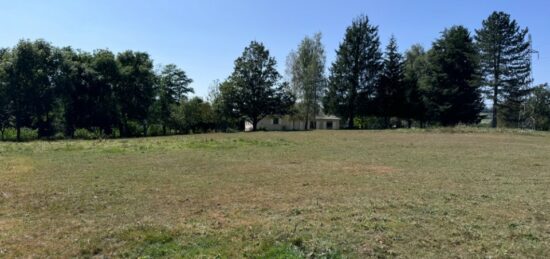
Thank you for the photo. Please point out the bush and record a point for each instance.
(134, 129)
(369, 122)
(27, 134)
(58, 136)
(87, 134)
(155, 130)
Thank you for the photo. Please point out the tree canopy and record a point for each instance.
(355, 72)
(505, 52)
(253, 90)
(55, 92)
(306, 67)
(453, 93)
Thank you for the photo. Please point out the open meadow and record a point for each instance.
(321, 194)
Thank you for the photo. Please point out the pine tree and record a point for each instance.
(390, 98)
(505, 53)
(355, 72)
(453, 94)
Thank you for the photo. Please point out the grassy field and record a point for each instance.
(330, 194)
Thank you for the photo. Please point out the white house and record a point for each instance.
(289, 123)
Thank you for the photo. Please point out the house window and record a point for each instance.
(275, 121)
(329, 124)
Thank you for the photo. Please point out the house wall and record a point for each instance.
(285, 123)
(322, 124)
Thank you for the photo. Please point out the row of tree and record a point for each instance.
(442, 86)
(59, 90)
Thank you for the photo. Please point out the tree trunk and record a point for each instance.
(145, 128)
(254, 124)
(164, 130)
(350, 121)
(495, 102)
(121, 130)
(495, 88)
(18, 138)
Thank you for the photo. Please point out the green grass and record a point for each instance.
(459, 192)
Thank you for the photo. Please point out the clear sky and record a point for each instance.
(204, 37)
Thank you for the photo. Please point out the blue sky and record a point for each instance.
(204, 37)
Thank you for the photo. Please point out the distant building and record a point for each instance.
(325, 122)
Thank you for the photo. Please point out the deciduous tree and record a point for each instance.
(416, 72)
(253, 90)
(173, 87)
(135, 91)
(306, 67)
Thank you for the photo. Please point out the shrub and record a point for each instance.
(58, 136)
(27, 134)
(134, 129)
(155, 130)
(87, 134)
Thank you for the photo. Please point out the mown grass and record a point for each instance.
(322, 194)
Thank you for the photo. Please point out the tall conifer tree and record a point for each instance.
(453, 94)
(355, 72)
(505, 53)
(390, 96)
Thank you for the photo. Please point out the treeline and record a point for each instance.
(52, 92)
(444, 85)
(371, 88)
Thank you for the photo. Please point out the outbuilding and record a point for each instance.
(286, 122)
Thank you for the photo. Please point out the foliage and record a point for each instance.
(58, 90)
(505, 53)
(390, 92)
(87, 134)
(193, 116)
(25, 134)
(537, 110)
(253, 91)
(225, 118)
(135, 91)
(173, 87)
(306, 67)
(28, 70)
(85, 82)
(416, 69)
(355, 72)
(452, 93)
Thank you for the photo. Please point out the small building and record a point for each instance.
(286, 122)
